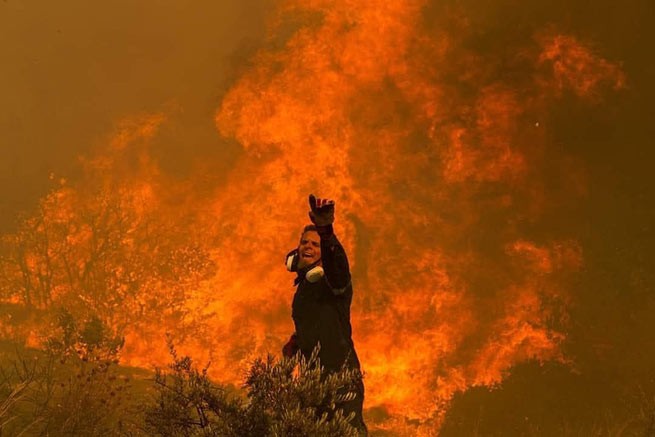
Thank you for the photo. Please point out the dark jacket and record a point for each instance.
(321, 310)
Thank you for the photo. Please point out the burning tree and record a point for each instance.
(105, 248)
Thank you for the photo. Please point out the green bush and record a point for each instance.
(287, 397)
(76, 387)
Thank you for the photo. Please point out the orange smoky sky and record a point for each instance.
(490, 163)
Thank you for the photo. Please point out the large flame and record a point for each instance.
(437, 161)
(437, 166)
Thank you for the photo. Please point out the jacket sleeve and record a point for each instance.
(334, 261)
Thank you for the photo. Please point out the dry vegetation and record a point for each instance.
(76, 387)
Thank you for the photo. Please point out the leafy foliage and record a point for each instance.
(289, 397)
(101, 249)
(75, 387)
(189, 405)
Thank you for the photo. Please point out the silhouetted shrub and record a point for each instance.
(287, 397)
(74, 387)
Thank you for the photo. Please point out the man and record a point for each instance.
(321, 304)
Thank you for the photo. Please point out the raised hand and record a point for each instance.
(321, 211)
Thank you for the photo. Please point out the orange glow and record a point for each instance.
(436, 182)
(356, 107)
(576, 68)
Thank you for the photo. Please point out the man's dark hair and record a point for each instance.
(309, 228)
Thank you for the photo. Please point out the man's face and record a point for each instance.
(309, 249)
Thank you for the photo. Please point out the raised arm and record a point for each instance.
(333, 256)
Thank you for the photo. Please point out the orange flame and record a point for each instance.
(436, 164)
(360, 106)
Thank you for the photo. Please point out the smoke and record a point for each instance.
(435, 148)
(72, 71)
(435, 126)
